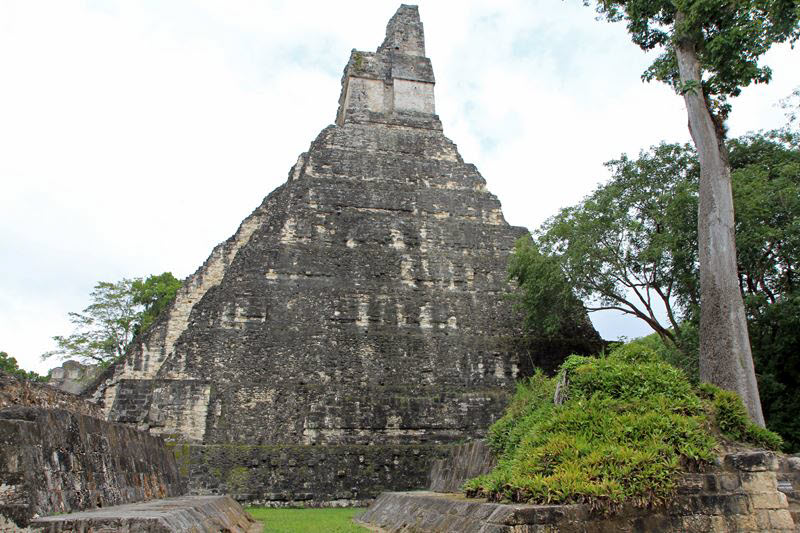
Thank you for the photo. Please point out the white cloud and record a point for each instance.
(134, 136)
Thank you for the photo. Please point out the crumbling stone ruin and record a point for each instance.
(64, 468)
(356, 321)
(746, 491)
(72, 376)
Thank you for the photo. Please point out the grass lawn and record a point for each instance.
(307, 520)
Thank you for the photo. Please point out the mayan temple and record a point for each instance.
(354, 325)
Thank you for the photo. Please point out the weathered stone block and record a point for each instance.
(57, 461)
(781, 519)
(758, 481)
(769, 500)
(756, 461)
(188, 514)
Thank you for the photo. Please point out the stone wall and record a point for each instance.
(188, 514)
(738, 495)
(18, 392)
(56, 461)
(306, 475)
(462, 463)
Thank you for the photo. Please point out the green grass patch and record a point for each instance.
(332, 520)
(629, 423)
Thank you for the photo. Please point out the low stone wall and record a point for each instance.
(18, 392)
(56, 461)
(464, 462)
(740, 495)
(195, 514)
(285, 475)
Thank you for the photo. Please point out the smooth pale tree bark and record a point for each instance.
(725, 357)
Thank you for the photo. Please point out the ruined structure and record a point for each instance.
(356, 321)
(747, 491)
(64, 468)
(72, 376)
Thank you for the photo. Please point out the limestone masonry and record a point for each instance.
(356, 321)
(63, 468)
(741, 493)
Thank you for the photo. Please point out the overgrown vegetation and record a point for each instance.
(627, 425)
(632, 246)
(117, 313)
(9, 365)
(307, 520)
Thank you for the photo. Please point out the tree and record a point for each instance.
(711, 50)
(9, 365)
(118, 312)
(624, 247)
(155, 294)
(102, 330)
(632, 246)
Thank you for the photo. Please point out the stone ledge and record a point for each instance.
(395, 512)
(197, 514)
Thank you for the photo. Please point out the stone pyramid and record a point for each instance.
(354, 324)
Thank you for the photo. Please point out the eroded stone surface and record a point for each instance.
(464, 462)
(195, 514)
(16, 392)
(72, 376)
(55, 461)
(740, 497)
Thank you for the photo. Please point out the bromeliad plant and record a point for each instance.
(627, 425)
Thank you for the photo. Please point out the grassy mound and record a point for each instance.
(628, 424)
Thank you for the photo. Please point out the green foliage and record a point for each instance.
(532, 396)
(9, 365)
(686, 359)
(629, 423)
(775, 336)
(155, 294)
(632, 246)
(104, 330)
(307, 520)
(550, 305)
(624, 247)
(732, 420)
(728, 38)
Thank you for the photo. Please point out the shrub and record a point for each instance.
(630, 422)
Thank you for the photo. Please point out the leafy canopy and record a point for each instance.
(117, 312)
(728, 36)
(632, 244)
(9, 365)
(154, 293)
(626, 247)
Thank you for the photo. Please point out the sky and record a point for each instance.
(135, 136)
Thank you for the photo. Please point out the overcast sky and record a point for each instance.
(135, 136)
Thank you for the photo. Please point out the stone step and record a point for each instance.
(408, 512)
(196, 514)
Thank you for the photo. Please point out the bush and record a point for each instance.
(630, 422)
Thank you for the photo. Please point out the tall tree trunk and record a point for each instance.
(725, 357)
